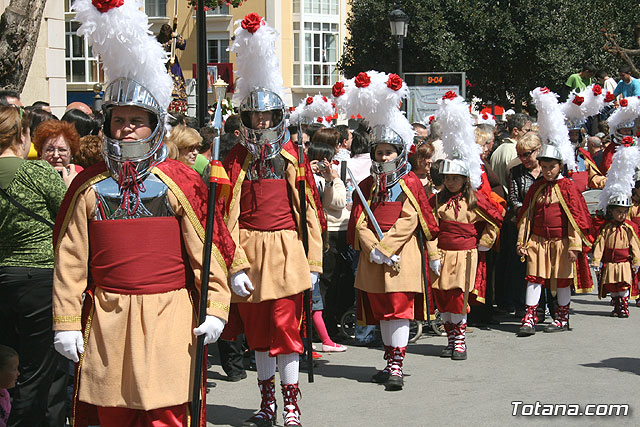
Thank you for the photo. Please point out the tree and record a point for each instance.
(19, 29)
(506, 47)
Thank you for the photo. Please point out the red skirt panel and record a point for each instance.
(451, 301)
(170, 416)
(272, 326)
(562, 283)
(372, 308)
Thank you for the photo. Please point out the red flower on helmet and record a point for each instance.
(485, 116)
(363, 80)
(106, 5)
(627, 141)
(324, 98)
(544, 90)
(309, 100)
(624, 102)
(338, 89)
(412, 149)
(431, 119)
(450, 95)
(578, 100)
(252, 22)
(597, 90)
(319, 119)
(328, 119)
(609, 97)
(394, 82)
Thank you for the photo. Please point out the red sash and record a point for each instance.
(549, 221)
(266, 205)
(137, 256)
(457, 236)
(635, 220)
(386, 213)
(615, 255)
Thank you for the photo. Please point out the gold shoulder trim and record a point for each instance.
(237, 187)
(416, 205)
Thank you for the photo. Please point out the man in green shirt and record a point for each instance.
(579, 80)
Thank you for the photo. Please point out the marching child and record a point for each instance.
(617, 246)
(468, 221)
(8, 376)
(553, 223)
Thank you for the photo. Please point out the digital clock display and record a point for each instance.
(435, 79)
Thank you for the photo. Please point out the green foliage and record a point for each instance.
(506, 47)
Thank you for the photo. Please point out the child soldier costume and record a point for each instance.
(129, 245)
(270, 269)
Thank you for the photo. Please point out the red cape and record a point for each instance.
(234, 161)
(417, 196)
(187, 180)
(607, 157)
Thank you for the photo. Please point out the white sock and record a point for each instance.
(385, 331)
(288, 365)
(446, 317)
(265, 365)
(624, 293)
(564, 295)
(533, 293)
(399, 332)
(458, 318)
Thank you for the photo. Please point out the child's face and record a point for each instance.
(619, 213)
(385, 152)
(454, 183)
(9, 374)
(550, 169)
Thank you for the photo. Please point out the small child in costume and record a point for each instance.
(8, 376)
(553, 223)
(617, 246)
(469, 223)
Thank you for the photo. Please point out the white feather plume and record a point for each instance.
(126, 47)
(553, 128)
(458, 137)
(591, 105)
(257, 64)
(621, 174)
(377, 103)
(321, 106)
(624, 115)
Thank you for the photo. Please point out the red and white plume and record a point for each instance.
(313, 109)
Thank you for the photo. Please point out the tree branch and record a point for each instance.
(611, 45)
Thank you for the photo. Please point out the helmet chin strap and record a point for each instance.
(130, 185)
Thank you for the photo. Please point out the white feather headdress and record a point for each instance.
(377, 97)
(621, 175)
(625, 115)
(581, 105)
(458, 137)
(553, 128)
(121, 37)
(257, 64)
(486, 118)
(312, 109)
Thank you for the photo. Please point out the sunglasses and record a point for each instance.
(526, 154)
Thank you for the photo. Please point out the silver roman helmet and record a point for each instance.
(259, 105)
(454, 167)
(391, 171)
(621, 200)
(144, 153)
(550, 151)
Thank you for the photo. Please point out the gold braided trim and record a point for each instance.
(488, 241)
(315, 263)
(238, 262)
(486, 217)
(70, 210)
(237, 187)
(216, 304)
(596, 171)
(67, 319)
(385, 247)
(633, 232)
(572, 220)
(191, 215)
(416, 205)
(307, 189)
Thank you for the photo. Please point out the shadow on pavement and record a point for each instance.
(622, 364)
(228, 415)
(361, 374)
(427, 349)
(592, 313)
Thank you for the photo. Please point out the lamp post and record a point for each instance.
(97, 98)
(201, 74)
(399, 22)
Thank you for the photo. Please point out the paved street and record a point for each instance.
(597, 362)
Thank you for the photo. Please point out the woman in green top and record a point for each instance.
(30, 195)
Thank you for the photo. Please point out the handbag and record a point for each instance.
(24, 209)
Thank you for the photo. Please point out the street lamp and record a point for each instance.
(220, 86)
(399, 22)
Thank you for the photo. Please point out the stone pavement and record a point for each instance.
(598, 361)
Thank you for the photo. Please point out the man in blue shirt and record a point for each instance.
(627, 86)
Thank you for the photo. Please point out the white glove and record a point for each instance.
(435, 265)
(241, 284)
(376, 256)
(395, 259)
(315, 276)
(211, 328)
(597, 268)
(482, 248)
(70, 344)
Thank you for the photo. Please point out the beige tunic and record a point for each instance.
(548, 258)
(399, 240)
(616, 238)
(138, 348)
(275, 260)
(459, 267)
